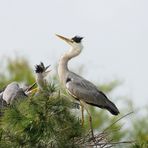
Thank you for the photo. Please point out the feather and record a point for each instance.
(84, 90)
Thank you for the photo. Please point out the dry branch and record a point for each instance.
(102, 140)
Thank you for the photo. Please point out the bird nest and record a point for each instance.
(100, 140)
(103, 139)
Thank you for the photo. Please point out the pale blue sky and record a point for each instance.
(115, 43)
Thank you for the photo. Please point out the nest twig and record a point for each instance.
(102, 140)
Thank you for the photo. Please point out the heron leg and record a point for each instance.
(90, 118)
(82, 113)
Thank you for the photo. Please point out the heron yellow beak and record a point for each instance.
(30, 87)
(69, 41)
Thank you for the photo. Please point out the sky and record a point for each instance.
(115, 38)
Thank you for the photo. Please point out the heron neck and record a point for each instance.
(40, 81)
(63, 64)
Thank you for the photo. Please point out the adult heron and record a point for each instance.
(78, 87)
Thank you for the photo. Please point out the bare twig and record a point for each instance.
(102, 140)
(118, 120)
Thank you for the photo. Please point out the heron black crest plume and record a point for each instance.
(41, 68)
(77, 39)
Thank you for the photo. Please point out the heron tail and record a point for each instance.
(111, 107)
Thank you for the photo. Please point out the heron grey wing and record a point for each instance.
(10, 92)
(86, 91)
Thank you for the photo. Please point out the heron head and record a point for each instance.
(41, 69)
(75, 42)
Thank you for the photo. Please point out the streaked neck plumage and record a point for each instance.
(63, 70)
(41, 82)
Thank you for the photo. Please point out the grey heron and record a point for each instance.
(12, 92)
(78, 87)
(41, 73)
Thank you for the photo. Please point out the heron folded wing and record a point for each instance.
(85, 91)
(12, 91)
(88, 92)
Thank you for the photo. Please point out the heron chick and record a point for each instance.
(12, 92)
(41, 73)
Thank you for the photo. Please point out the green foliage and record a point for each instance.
(17, 69)
(40, 121)
(140, 145)
(47, 121)
(139, 131)
(20, 70)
